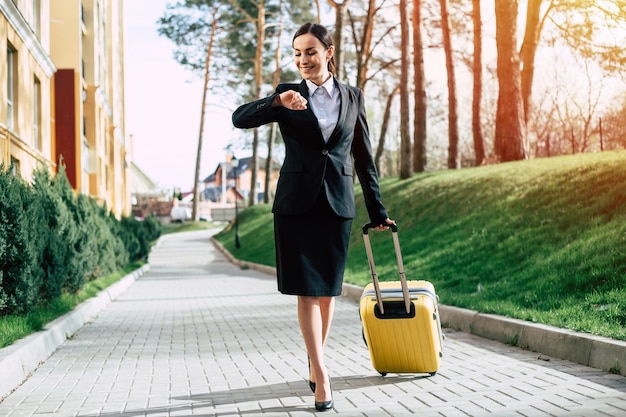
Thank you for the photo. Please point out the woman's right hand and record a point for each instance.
(292, 100)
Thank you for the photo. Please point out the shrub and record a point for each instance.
(52, 241)
(85, 248)
(52, 229)
(138, 234)
(75, 272)
(19, 287)
(152, 228)
(135, 238)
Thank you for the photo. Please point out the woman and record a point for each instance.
(323, 125)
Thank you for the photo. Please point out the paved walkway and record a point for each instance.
(198, 336)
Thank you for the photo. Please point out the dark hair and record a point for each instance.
(322, 34)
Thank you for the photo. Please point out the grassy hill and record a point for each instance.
(541, 240)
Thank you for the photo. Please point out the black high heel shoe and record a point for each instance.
(326, 405)
(311, 383)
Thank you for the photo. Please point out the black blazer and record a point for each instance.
(310, 163)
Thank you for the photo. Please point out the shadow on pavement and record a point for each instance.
(292, 389)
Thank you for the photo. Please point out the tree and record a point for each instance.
(612, 129)
(338, 35)
(595, 29)
(405, 134)
(240, 55)
(577, 109)
(477, 70)
(259, 24)
(271, 138)
(209, 53)
(370, 35)
(318, 11)
(510, 127)
(363, 45)
(256, 18)
(419, 81)
(376, 55)
(189, 26)
(585, 26)
(453, 130)
(529, 50)
(384, 127)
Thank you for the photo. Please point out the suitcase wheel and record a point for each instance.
(433, 373)
(383, 373)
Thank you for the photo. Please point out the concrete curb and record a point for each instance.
(18, 360)
(585, 349)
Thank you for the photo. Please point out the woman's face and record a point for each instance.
(312, 58)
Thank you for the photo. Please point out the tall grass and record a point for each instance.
(541, 240)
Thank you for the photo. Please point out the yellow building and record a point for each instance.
(25, 90)
(63, 68)
(87, 47)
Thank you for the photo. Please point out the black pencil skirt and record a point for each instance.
(311, 251)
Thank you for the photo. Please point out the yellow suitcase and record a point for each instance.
(401, 324)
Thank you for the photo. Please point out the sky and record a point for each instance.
(163, 105)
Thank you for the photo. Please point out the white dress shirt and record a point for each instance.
(325, 104)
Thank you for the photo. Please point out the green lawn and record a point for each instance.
(541, 240)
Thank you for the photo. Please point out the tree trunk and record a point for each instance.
(364, 51)
(453, 129)
(477, 132)
(383, 129)
(420, 111)
(317, 9)
(207, 65)
(338, 35)
(510, 128)
(272, 135)
(405, 133)
(268, 163)
(528, 51)
(258, 80)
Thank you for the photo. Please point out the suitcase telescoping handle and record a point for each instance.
(370, 258)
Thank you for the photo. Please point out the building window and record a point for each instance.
(11, 83)
(37, 115)
(84, 156)
(15, 167)
(83, 120)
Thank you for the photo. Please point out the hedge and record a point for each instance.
(53, 241)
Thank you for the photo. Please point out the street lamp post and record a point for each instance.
(235, 164)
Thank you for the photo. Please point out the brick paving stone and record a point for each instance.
(199, 336)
